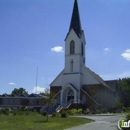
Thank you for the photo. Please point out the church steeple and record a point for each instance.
(75, 20)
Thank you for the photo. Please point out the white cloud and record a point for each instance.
(11, 83)
(38, 89)
(57, 49)
(126, 54)
(106, 49)
(124, 74)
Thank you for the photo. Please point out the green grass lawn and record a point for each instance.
(37, 122)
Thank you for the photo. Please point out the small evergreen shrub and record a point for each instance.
(44, 113)
(72, 111)
(6, 111)
(64, 114)
(56, 114)
(128, 116)
(34, 112)
(0, 112)
(79, 111)
(103, 110)
(15, 113)
(27, 113)
(87, 111)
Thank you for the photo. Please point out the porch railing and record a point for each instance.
(64, 105)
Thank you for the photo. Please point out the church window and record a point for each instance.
(72, 47)
(71, 65)
(82, 49)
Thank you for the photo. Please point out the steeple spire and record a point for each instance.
(75, 20)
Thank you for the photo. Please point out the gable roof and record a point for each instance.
(73, 86)
(98, 78)
(56, 77)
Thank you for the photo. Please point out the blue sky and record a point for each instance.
(32, 34)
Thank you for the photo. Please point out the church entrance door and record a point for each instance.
(70, 95)
(69, 98)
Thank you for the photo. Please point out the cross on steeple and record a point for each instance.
(71, 65)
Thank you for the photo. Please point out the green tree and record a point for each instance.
(19, 91)
(124, 91)
(48, 101)
(118, 105)
(45, 93)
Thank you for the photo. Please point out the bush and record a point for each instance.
(98, 111)
(56, 115)
(34, 112)
(44, 113)
(72, 111)
(64, 114)
(0, 112)
(79, 111)
(87, 111)
(128, 116)
(6, 111)
(103, 110)
(15, 113)
(27, 113)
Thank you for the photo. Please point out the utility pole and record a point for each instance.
(36, 79)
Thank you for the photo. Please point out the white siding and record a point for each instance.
(58, 80)
(88, 78)
(74, 79)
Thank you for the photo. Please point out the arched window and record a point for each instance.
(82, 49)
(72, 47)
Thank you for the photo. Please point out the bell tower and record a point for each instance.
(75, 44)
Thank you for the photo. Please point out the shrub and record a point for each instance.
(98, 111)
(56, 115)
(15, 113)
(27, 113)
(79, 111)
(0, 112)
(72, 111)
(34, 112)
(44, 113)
(128, 116)
(103, 110)
(64, 114)
(6, 111)
(87, 111)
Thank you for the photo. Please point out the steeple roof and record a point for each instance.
(75, 20)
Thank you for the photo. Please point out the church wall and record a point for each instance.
(72, 36)
(89, 102)
(88, 78)
(58, 80)
(101, 94)
(76, 63)
(74, 79)
(55, 89)
(76, 57)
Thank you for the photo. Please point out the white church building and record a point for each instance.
(77, 85)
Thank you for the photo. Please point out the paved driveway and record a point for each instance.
(100, 122)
